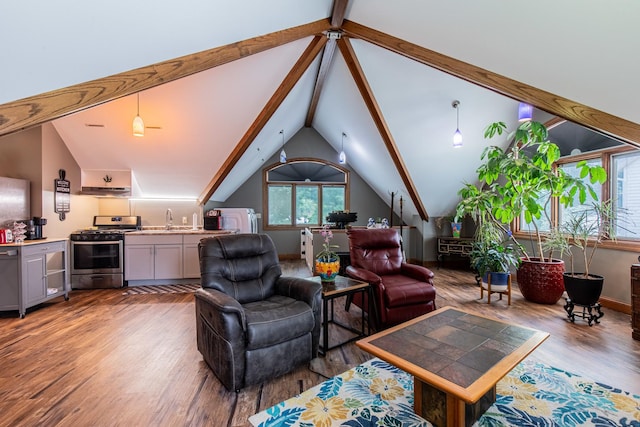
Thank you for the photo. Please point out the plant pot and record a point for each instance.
(541, 281)
(456, 228)
(327, 270)
(499, 281)
(584, 291)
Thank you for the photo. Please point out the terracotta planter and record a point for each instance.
(541, 281)
(583, 291)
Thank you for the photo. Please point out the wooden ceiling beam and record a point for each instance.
(578, 113)
(294, 75)
(38, 109)
(376, 114)
(337, 17)
(338, 13)
(325, 62)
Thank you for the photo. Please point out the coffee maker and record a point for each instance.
(213, 220)
(34, 228)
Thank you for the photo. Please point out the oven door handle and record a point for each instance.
(98, 242)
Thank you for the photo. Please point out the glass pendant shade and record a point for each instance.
(457, 138)
(283, 155)
(342, 158)
(138, 126)
(525, 112)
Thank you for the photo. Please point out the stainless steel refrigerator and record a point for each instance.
(14, 201)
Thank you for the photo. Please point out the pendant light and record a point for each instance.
(138, 124)
(457, 136)
(525, 112)
(342, 158)
(283, 155)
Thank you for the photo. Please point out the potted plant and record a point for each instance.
(520, 182)
(585, 231)
(327, 263)
(491, 256)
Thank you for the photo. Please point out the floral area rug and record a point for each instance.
(378, 394)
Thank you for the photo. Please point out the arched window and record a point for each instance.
(302, 192)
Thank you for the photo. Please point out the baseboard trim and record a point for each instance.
(615, 305)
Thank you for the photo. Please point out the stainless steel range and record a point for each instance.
(97, 255)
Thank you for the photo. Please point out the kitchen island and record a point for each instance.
(157, 256)
(33, 272)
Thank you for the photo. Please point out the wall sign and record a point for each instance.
(62, 195)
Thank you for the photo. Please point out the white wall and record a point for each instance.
(66, 42)
(55, 156)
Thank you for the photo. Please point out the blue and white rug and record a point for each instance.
(378, 394)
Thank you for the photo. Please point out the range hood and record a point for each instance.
(106, 191)
(101, 182)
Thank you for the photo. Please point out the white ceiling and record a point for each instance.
(204, 116)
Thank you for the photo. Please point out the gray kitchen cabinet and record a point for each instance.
(168, 261)
(139, 262)
(32, 274)
(153, 257)
(191, 256)
(10, 273)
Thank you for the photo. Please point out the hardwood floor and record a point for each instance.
(108, 359)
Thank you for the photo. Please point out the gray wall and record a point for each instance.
(306, 143)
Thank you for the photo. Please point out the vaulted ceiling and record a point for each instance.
(217, 81)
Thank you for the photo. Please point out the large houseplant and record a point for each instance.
(584, 231)
(520, 182)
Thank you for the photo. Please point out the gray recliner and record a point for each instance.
(252, 323)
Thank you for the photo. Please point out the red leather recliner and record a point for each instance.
(401, 291)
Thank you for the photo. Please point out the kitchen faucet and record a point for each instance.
(168, 216)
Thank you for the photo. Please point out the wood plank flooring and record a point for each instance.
(108, 359)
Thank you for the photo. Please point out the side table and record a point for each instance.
(453, 246)
(341, 286)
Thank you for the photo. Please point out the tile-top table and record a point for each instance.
(456, 359)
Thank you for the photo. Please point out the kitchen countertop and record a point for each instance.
(35, 242)
(176, 230)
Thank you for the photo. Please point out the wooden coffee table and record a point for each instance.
(340, 287)
(456, 359)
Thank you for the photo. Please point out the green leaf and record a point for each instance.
(494, 129)
(584, 172)
(583, 196)
(599, 174)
